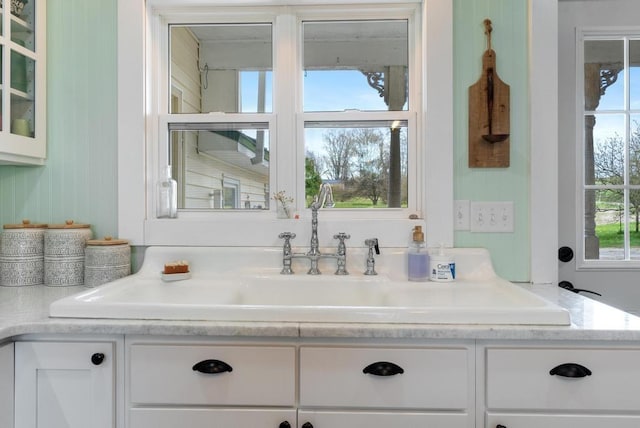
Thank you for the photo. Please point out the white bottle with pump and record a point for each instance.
(418, 257)
(443, 267)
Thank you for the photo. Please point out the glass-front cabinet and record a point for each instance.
(22, 82)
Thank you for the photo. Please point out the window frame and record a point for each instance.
(583, 35)
(435, 162)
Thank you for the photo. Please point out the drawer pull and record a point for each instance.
(212, 367)
(383, 368)
(284, 424)
(307, 425)
(570, 370)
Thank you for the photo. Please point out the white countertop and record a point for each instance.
(24, 310)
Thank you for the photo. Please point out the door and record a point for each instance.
(64, 385)
(598, 264)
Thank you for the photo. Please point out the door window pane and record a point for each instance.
(634, 74)
(604, 237)
(605, 135)
(355, 65)
(604, 75)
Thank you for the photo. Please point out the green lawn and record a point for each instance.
(611, 236)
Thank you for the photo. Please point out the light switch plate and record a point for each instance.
(461, 215)
(492, 217)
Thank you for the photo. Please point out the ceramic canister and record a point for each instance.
(106, 260)
(22, 254)
(64, 246)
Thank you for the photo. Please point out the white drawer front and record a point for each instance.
(207, 418)
(321, 419)
(260, 375)
(432, 378)
(521, 379)
(561, 421)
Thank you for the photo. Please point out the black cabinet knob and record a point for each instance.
(284, 424)
(307, 425)
(500, 426)
(97, 358)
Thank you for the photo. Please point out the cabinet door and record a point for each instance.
(327, 419)
(64, 385)
(207, 418)
(560, 421)
(6, 385)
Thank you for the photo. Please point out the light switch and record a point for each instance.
(492, 217)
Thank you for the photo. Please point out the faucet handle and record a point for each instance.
(372, 243)
(287, 235)
(341, 236)
(371, 261)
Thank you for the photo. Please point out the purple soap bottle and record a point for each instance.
(418, 257)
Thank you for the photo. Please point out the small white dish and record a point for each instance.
(170, 277)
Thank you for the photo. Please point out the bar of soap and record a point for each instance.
(180, 266)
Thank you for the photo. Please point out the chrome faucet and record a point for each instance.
(324, 198)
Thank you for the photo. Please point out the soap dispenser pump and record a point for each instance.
(418, 257)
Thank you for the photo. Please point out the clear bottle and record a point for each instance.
(418, 257)
(167, 203)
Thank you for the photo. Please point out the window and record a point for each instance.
(343, 112)
(145, 113)
(610, 120)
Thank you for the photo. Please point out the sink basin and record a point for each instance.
(229, 295)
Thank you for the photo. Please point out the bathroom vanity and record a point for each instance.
(274, 373)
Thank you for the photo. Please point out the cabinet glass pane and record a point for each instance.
(22, 23)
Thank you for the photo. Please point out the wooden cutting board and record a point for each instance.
(489, 115)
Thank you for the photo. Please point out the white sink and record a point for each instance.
(229, 295)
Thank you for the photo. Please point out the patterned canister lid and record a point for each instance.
(26, 224)
(108, 240)
(69, 224)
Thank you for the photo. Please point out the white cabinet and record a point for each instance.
(556, 386)
(64, 384)
(22, 85)
(408, 387)
(6, 385)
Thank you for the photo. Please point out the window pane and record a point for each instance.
(604, 75)
(604, 149)
(634, 223)
(355, 65)
(365, 163)
(604, 224)
(222, 67)
(220, 165)
(634, 74)
(634, 150)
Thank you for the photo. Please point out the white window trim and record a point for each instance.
(136, 174)
(583, 33)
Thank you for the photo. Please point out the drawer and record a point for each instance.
(350, 419)
(207, 418)
(162, 374)
(521, 379)
(561, 421)
(431, 379)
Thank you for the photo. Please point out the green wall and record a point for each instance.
(510, 251)
(79, 178)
